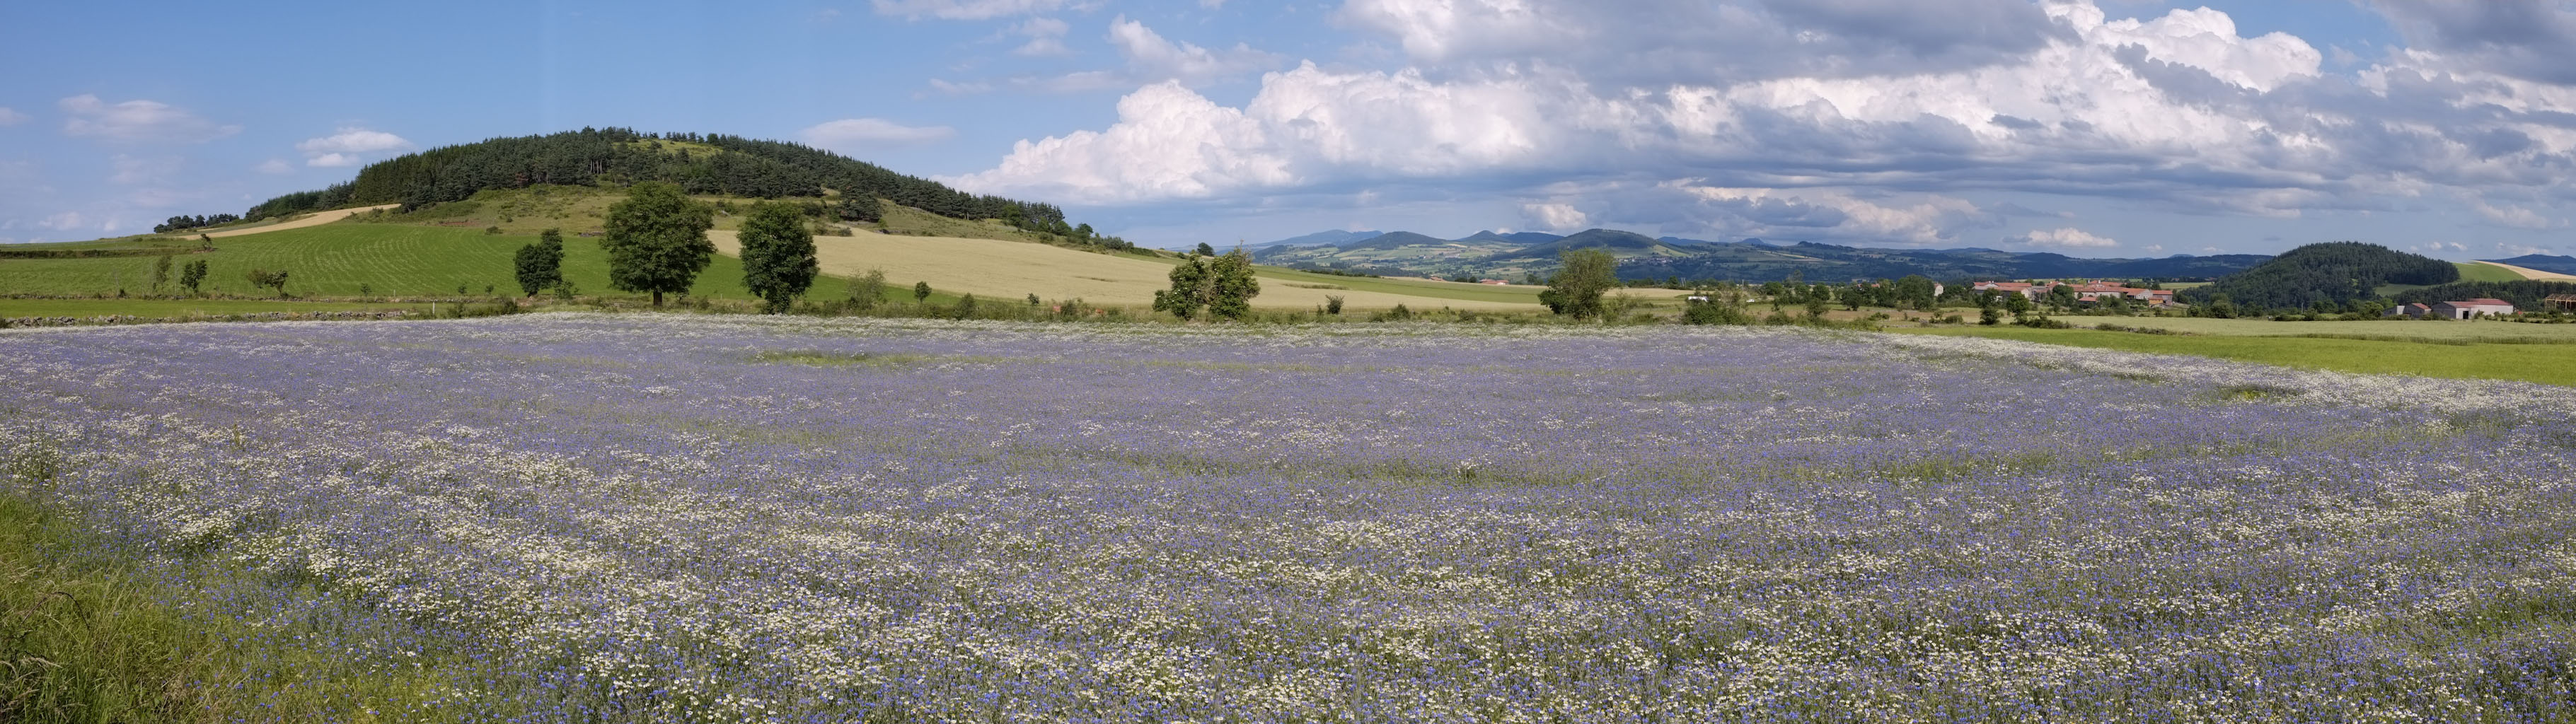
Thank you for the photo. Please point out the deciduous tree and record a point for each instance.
(192, 274)
(657, 240)
(540, 265)
(1583, 276)
(778, 262)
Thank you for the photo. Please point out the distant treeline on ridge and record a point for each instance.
(610, 156)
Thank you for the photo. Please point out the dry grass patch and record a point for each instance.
(313, 219)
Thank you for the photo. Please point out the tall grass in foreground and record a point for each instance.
(92, 632)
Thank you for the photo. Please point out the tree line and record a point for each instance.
(184, 222)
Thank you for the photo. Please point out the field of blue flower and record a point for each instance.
(676, 518)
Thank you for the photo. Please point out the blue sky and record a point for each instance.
(2097, 128)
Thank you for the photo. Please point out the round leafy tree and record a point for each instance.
(656, 240)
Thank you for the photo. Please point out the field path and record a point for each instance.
(314, 219)
(2529, 273)
(999, 269)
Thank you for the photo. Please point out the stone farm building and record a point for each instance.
(2462, 309)
(2561, 302)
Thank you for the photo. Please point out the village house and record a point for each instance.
(2092, 291)
(2025, 289)
(2472, 308)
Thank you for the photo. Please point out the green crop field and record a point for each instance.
(2431, 331)
(2553, 364)
(166, 308)
(1406, 287)
(2474, 272)
(334, 260)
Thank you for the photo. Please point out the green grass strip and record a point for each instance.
(86, 636)
(2542, 363)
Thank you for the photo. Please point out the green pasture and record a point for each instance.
(2435, 331)
(1410, 287)
(97, 633)
(335, 260)
(170, 308)
(2470, 272)
(2546, 363)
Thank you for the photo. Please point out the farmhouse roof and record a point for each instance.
(2483, 300)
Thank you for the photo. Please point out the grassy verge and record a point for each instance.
(166, 308)
(2542, 363)
(337, 260)
(88, 636)
(2476, 272)
(2436, 331)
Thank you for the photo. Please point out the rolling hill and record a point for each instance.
(2338, 272)
(1492, 254)
(2542, 262)
(702, 164)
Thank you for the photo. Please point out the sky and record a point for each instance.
(2099, 128)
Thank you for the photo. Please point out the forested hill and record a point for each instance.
(699, 163)
(2336, 271)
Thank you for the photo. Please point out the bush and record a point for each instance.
(1712, 313)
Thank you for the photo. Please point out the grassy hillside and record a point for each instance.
(2475, 272)
(334, 260)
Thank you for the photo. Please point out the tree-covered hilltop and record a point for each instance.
(698, 163)
(2337, 271)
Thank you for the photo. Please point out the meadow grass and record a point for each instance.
(2543, 363)
(2433, 331)
(2475, 272)
(335, 260)
(89, 632)
(168, 308)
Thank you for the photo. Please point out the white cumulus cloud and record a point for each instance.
(852, 134)
(2064, 238)
(274, 166)
(348, 147)
(1046, 37)
(11, 117)
(962, 9)
(2516, 217)
(1152, 58)
(137, 121)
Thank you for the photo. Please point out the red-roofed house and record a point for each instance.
(2408, 310)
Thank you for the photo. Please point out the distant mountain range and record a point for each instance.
(1489, 254)
(2542, 262)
